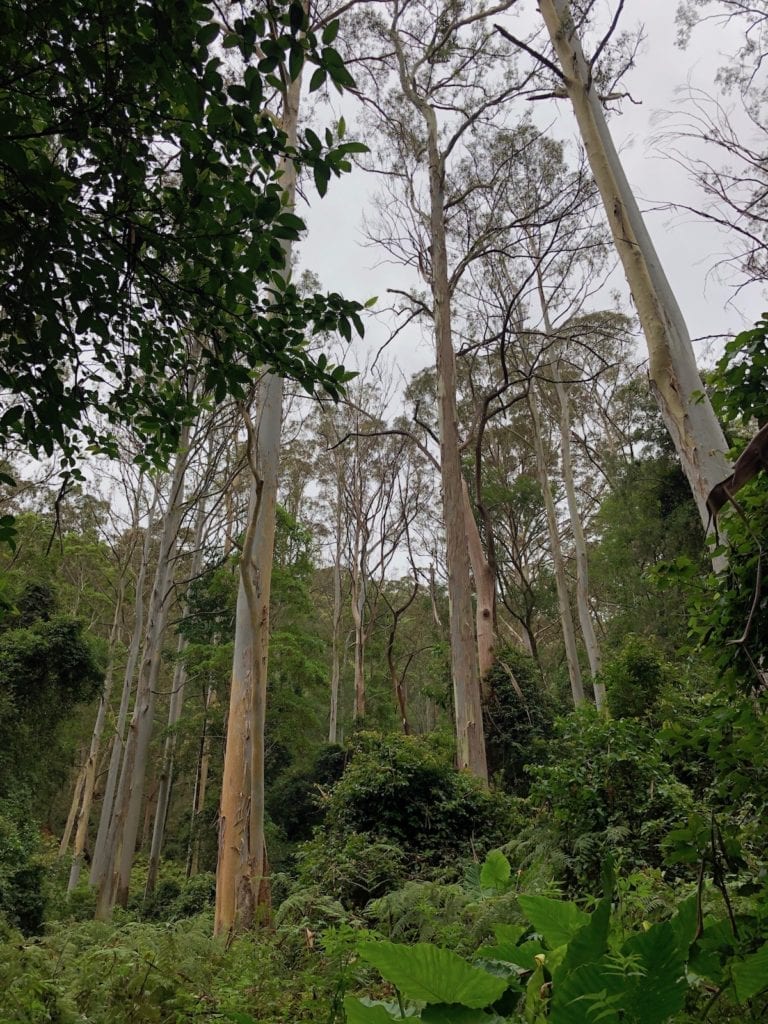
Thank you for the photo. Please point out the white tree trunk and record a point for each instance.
(98, 862)
(333, 724)
(89, 769)
(690, 419)
(470, 740)
(175, 708)
(485, 590)
(561, 582)
(242, 886)
(121, 839)
(580, 547)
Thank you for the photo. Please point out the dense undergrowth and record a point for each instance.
(613, 884)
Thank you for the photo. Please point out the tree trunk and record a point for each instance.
(98, 862)
(174, 716)
(485, 590)
(121, 839)
(89, 769)
(470, 741)
(333, 724)
(561, 583)
(242, 886)
(580, 547)
(690, 419)
(201, 786)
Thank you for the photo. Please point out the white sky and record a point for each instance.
(335, 248)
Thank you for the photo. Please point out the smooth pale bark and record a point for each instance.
(580, 548)
(201, 786)
(468, 715)
(99, 859)
(470, 740)
(690, 419)
(124, 827)
(73, 807)
(358, 620)
(89, 769)
(561, 582)
(333, 722)
(175, 707)
(485, 590)
(242, 873)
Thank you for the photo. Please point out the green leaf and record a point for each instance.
(557, 920)
(750, 976)
(360, 1013)
(322, 176)
(589, 943)
(207, 34)
(317, 79)
(330, 32)
(433, 975)
(445, 1013)
(660, 992)
(495, 872)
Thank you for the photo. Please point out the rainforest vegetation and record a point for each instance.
(339, 684)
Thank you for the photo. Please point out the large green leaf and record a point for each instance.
(495, 872)
(589, 943)
(660, 992)
(556, 920)
(433, 975)
(372, 1013)
(445, 1013)
(750, 976)
(586, 995)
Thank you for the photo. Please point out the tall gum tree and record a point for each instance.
(689, 417)
(441, 58)
(242, 885)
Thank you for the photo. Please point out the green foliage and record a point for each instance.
(518, 714)
(22, 900)
(566, 966)
(142, 206)
(647, 519)
(606, 790)
(633, 679)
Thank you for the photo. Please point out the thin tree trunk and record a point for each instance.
(74, 806)
(485, 590)
(174, 716)
(201, 786)
(333, 725)
(687, 412)
(580, 547)
(561, 583)
(242, 874)
(98, 862)
(89, 769)
(123, 831)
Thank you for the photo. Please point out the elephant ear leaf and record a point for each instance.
(433, 975)
(556, 920)
(750, 976)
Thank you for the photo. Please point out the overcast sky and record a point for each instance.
(335, 248)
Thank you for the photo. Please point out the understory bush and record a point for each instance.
(607, 791)
(518, 717)
(400, 811)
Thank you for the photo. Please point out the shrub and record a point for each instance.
(633, 679)
(607, 790)
(517, 715)
(400, 810)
